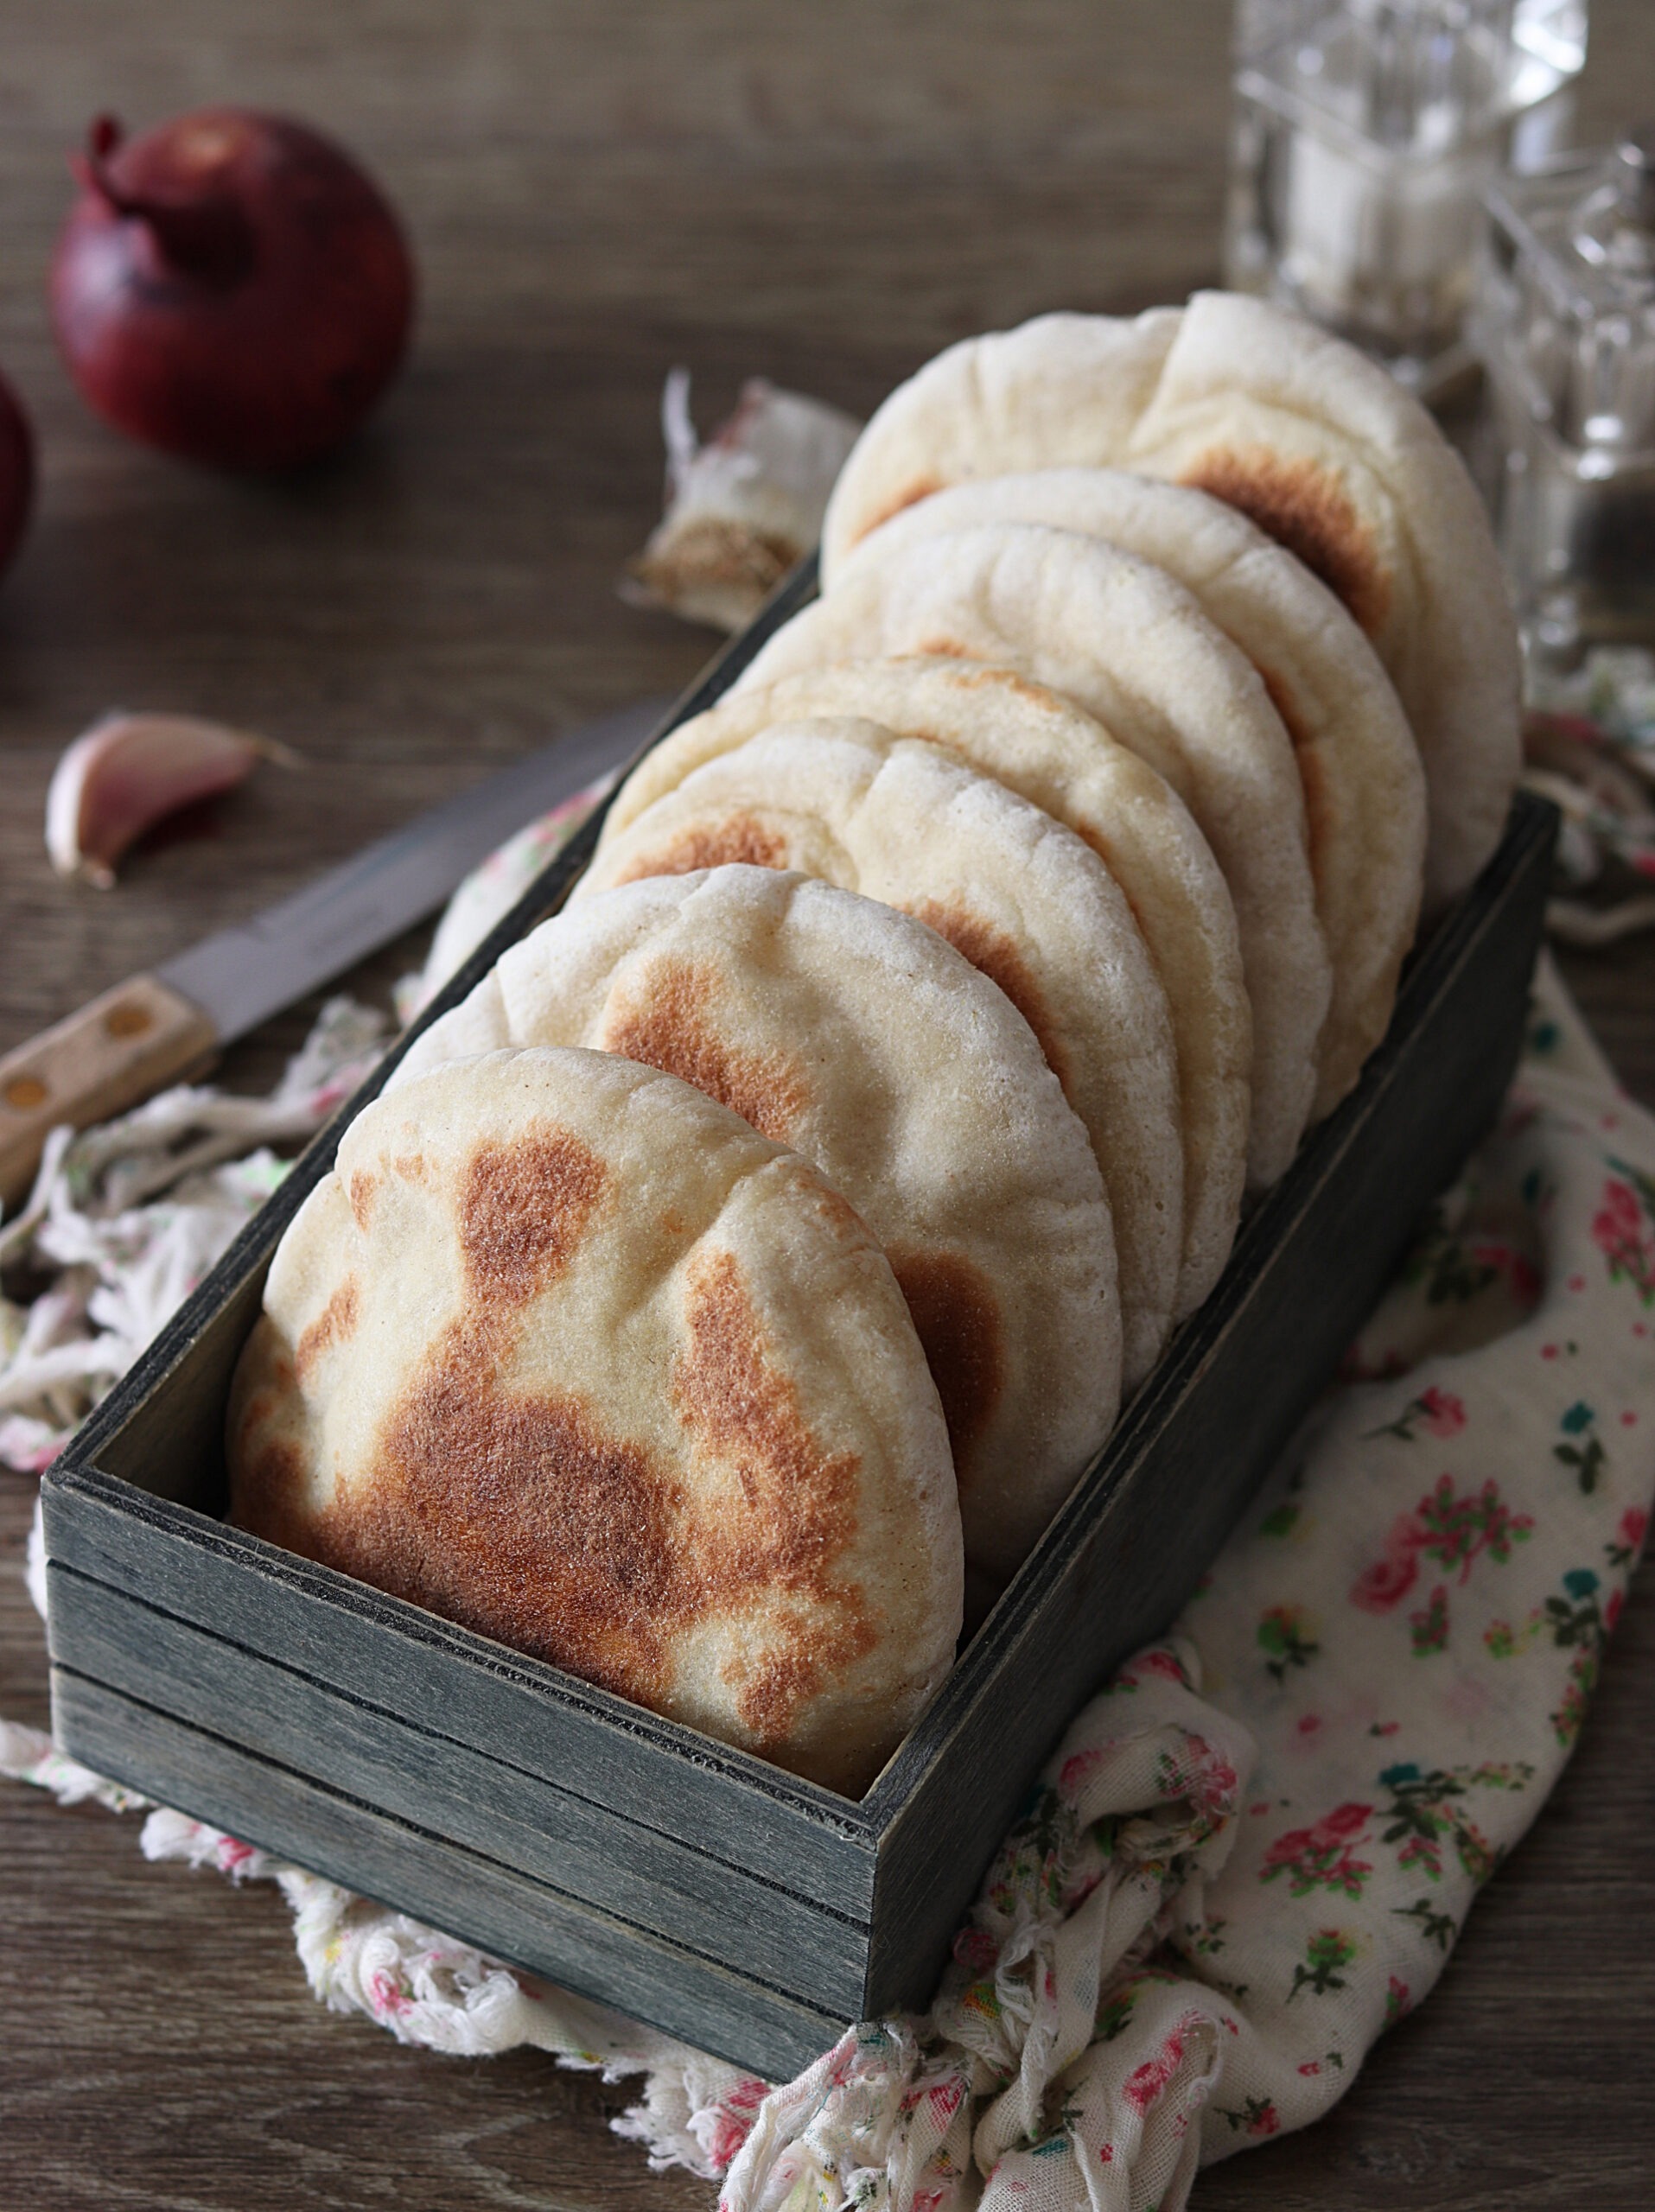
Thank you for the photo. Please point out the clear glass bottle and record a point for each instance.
(1565, 325)
(1365, 135)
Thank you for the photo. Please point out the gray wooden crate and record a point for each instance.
(578, 1836)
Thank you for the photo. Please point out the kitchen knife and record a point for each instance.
(158, 1028)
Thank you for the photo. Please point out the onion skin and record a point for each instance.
(16, 471)
(230, 288)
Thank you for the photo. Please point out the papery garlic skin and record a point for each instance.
(743, 508)
(129, 772)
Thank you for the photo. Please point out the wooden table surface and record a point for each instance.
(599, 189)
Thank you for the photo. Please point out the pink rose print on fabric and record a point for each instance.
(1438, 1412)
(1382, 1585)
(1628, 1540)
(732, 2120)
(387, 1995)
(1429, 1814)
(1078, 1769)
(1427, 1627)
(1455, 1528)
(1256, 2117)
(975, 1949)
(1444, 1414)
(1325, 1954)
(1322, 1856)
(1621, 1233)
(1212, 1782)
(1146, 2082)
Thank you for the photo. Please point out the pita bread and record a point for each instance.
(854, 1035)
(1364, 788)
(566, 1351)
(1022, 898)
(1304, 433)
(1132, 647)
(1048, 752)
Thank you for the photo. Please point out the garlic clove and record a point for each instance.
(128, 772)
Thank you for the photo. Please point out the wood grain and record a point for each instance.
(95, 1063)
(597, 189)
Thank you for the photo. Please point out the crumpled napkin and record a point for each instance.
(1588, 745)
(1253, 1851)
(125, 1218)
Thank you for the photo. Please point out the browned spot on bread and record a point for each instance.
(917, 488)
(944, 649)
(523, 1210)
(957, 1319)
(332, 1325)
(1001, 961)
(1302, 507)
(364, 1189)
(795, 1511)
(672, 1026)
(987, 679)
(524, 1515)
(738, 839)
(841, 1216)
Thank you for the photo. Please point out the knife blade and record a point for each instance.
(169, 1024)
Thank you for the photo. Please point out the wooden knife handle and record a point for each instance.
(109, 1056)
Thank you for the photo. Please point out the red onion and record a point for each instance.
(230, 287)
(16, 471)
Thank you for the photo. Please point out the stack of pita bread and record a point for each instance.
(1005, 925)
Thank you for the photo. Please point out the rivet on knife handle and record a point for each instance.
(108, 1056)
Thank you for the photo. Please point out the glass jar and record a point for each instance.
(1364, 135)
(1565, 325)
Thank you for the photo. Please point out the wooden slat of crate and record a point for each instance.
(1190, 1452)
(461, 1893)
(644, 1772)
(483, 1802)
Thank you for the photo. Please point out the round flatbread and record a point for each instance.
(1301, 432)
(1363, 787)
(1048, 752)
(1132, 647)
(1022, 898)
(854, 1035)
(566, 1351)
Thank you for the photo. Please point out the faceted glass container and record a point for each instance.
(1565, 325)
(1365, 135)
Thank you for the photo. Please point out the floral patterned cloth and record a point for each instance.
(125, 1219)
(1253, 1851)
(1588, 741)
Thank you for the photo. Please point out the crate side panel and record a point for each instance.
(172, 1444)
(462, 1892)
(693, 1898)
(1104, 1580)
(346, 1637)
